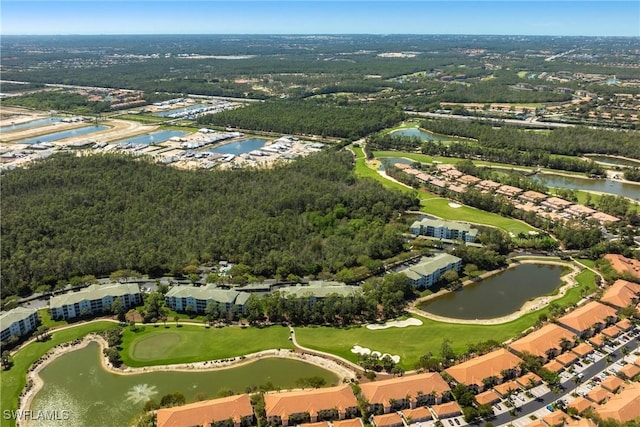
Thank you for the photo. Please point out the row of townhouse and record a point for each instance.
(94, 300)
(552, 208)
(18, 322)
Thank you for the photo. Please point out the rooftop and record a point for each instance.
(208, 292)
(95, 292)
(540, 341)
(392, 419)
(621, 293)
(203, 413)
(429, 265)
(398, 388)
(446, 409)
(584, 317)
(580, 404)
(622, 407)
(623, 264)
(319, 289)
(7, 318)
(283, 404)
(479, 368)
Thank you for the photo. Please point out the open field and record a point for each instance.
(159, 345)
(13, 381)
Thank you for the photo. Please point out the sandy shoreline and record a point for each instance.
(25, 399)
(527, 307)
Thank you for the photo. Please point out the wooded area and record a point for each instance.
(71, 216)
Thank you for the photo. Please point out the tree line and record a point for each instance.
(72, 216)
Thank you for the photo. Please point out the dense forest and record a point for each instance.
(59, 101)
(309, 117)
(70, 216)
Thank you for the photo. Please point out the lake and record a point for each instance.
(394, 161)
(421, 134)
(94, 397)
(62, 135)
(588, 184)
(497, 295)
(609, 160)
(155, 137)
(240, 147)
(31, 124)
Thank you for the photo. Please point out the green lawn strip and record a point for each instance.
(186, 344)
(13, 380)
(441, 208)
(46, 320)
(587, 262)
(364, 171)
(409, 343)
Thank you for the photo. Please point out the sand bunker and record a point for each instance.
(454, 205)
(364, 350)
(397, 324)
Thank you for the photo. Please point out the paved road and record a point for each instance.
(568, 386)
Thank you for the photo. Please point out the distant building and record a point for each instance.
(444, 229)
(197, 298)
(429, 270)
(94, 300)
(318, 289)
(17, 322)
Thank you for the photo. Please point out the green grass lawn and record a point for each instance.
(45, 318)
(411, 342)
(440, 207)
(588, 262)
(13, 380)
(160, 345)
(364, 171)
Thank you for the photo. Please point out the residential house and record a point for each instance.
(580, 404)
(556, 203)
(612, 384)
(621, 294)
(429, 269)
(237, 409)
(18, 322)
(532, 196)
(623, 406)
(387, 420)
(604, 218)
(416, 415)
(529, 380)
(355, 422)
(488, 185)
(409, 391)
(447, 410)
(323, 404)
(590, 317)
(488, 397)
(583, 349)
(509, 191)
(444, 229)
(623, 265)
(579, 211)
(556, 419)
(546, 342)
(94, 300)
(492, 365)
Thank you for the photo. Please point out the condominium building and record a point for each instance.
(429, 270)
(94, 300)
(197, 298)
(17, 322)
(444, 229)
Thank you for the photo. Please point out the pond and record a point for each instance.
(394, 161)
(31, 124)
(154, 137)
(497, 295)
(94, 397)
(62, 135)
(587, 184)
(422, 134)
(240, 147)
(615, 161)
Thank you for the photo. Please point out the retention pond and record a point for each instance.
(77, 383)
(497, 295)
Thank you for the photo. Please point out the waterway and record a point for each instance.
(179, 111)
(497, 295)
(240, 147)
(599, 185)
(155, 137)
(31, 124)
(615, 161)
(62, 135)
(393, 161)
(76, 382)
(422, 134)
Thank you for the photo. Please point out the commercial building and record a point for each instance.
(94, 300)
(197, 298)
(444, 229)
(429, 269)
(17, 322)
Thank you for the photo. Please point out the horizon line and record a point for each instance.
(313, 34)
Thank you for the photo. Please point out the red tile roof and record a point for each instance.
(450, 409)
(623, 265)
(202, 413)
(479, 368)
(622, 407)
(398, 388)
(418, 414)
(487, 397)
(294, 402)
(584, 317)
(392, 419)
(621, 293)
(546, 338)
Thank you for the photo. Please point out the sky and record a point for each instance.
(517, 17)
